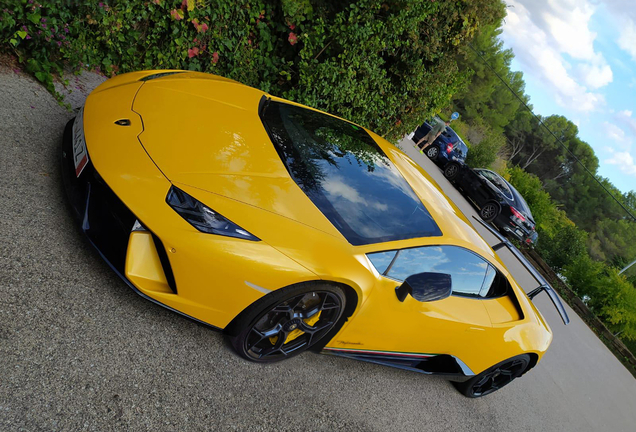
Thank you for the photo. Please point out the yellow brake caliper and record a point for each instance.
(311, 321)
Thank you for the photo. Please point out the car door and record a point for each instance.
(484, 188)
(474, 187)
(456, 325)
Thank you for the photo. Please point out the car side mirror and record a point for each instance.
(425, 287)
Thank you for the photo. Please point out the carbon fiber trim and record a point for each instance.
(430, 364)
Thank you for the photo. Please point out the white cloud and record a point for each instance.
(567, 24)
(541, 34)
(614, 132)
(624, 161)
(625, 16)
(625, 117)
(619, 139)
(627, 38)
(595, 75)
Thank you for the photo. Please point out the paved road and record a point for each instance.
(81, 351)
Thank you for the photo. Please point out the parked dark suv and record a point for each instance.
(447, 147)
(497, 200)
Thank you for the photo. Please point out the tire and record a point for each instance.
(489, 211)
(495, 377)
(432, 152)
(451, 171)
(304, 312)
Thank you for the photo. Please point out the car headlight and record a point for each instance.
(203, 218)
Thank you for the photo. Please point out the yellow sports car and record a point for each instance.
(289, 228)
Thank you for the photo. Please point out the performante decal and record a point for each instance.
(349, 343)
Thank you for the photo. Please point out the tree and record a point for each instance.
(586, 202)
(560, 241)
(614, 241)
(485, 97)
(629, 201)
(610, 295)
(485, 144)
(386, 64)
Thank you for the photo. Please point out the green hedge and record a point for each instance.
(611, 296)
(383, 64)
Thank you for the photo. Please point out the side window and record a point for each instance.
(503, 185)
(381, 260)
(487, 174)
(499, 182)
(471, 275)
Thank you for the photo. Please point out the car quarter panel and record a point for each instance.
(457, 326)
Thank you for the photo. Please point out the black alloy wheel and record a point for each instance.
(494, 378)
(432, 151)
(489, 211)
(288, 321)
(451, 171)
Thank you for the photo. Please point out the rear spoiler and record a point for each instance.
(543, 284)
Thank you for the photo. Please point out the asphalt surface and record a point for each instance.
(80, 351)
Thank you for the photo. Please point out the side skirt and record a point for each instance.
(431, 364)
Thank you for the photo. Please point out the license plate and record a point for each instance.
(80, 154)
(519, 233)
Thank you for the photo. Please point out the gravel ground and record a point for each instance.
(80, 351)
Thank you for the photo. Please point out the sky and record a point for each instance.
(578, 58)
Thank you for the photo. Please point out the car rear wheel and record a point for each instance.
(451, 171)
(432, 152)
(489, 211)
(286, 322)
(495, 377)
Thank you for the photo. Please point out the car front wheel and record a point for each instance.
(451, 171)
(432, 152)
(495, 377)
(287, 322)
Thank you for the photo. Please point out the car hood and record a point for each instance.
(205, 132)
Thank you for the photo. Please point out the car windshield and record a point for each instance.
(347, 176)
